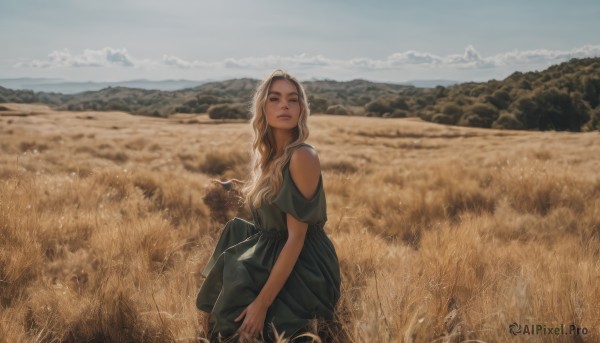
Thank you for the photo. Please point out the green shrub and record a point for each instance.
(378, 107)
(441, 118)
(480, 90)
(594, 122)
(115, 106)
(317, 105)
(362, 100)
(207, 99)
(500, 99)
(484, 110)
(227, 111)
(508, 121)
(474, 120)
(479, 115)
(591, 90)
(399, 103)
(338, 109)
(452, 110)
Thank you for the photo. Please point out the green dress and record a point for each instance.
(246, 252)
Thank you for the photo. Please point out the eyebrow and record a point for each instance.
(277, 93)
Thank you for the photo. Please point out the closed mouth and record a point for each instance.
(284, 116)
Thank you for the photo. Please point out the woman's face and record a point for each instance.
(283, 105)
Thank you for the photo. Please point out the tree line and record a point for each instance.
(564, 97)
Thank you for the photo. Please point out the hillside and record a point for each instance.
(564, 97)
(72, 87)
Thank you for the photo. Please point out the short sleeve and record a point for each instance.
(290, 200)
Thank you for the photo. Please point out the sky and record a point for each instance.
(387, 41)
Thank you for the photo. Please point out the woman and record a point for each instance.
(281, 270)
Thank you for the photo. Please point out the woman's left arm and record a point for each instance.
(305, 170)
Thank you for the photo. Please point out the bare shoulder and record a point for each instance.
(305, 170)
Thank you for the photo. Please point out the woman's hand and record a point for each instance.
(254, 319)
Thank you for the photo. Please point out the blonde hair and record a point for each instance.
(266, 171)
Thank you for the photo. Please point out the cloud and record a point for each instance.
(411, 57)
(543, 56)
(470, 59)
(296, 61)
(104, 57)
(175, 61)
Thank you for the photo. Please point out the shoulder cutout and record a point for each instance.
(305, 170)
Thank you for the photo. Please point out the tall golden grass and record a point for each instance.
(444, 234)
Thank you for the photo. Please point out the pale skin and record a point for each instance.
(305, 170)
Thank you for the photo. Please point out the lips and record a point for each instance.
(284, 116)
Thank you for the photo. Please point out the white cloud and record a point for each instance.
(174, 61)
(544, 56)
(411, 57)
(89, 58)
(470, 59)
(271, 61)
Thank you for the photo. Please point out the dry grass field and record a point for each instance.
(444, 234)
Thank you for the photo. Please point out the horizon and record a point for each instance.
(58, 85)
(218, 80)
(54, 85)
(313, 78)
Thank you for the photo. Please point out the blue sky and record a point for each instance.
(396, 41)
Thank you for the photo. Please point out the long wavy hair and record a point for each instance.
(266, 171)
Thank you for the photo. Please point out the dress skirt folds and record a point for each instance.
(246, 252)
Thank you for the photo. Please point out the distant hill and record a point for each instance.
(562, 97)
(65, 87)
(71, 87)
(430, 83)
